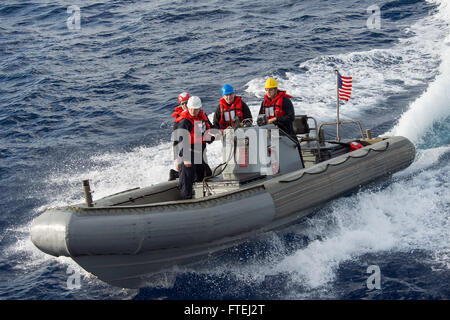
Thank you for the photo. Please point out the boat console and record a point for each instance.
(250, 154)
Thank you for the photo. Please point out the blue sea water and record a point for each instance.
(95, 102)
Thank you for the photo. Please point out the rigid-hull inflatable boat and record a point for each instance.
(126, 238)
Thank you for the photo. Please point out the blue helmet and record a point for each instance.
(227, 89)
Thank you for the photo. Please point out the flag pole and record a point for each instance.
(338, 138)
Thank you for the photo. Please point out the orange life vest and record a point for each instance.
(273, 108)
(228, 113)
(199, 123)
(177, 112)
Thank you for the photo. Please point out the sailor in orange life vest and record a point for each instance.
(182, 106)
(278, 108)
(230, 107)
(195, 122)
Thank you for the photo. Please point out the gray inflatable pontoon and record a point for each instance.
(126, 238)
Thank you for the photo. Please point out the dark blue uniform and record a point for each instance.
(194, 173)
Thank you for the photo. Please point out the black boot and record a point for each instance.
(173, 175)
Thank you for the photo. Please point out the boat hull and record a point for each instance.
(124, 245)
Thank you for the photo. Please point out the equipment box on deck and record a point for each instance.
(313, 153)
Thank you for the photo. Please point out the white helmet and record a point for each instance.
(194, 102)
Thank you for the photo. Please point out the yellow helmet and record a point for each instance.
(271, 83)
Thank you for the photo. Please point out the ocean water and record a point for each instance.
(93, 101)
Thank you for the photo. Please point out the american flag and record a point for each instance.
(345, 87)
